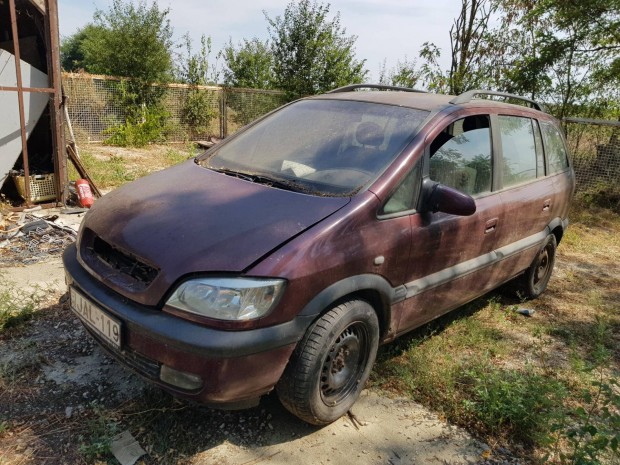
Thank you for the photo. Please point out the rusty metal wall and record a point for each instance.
(93, 108)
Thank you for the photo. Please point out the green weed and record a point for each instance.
(513, 404)
(101, 429)
(146, 126)
(112, 172)
(173, 157)
(17, 306)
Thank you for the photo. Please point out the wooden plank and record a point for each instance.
(81, 169)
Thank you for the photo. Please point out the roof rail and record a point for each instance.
(373, 86)
(468, 96)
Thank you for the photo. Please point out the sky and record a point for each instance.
(386, 30)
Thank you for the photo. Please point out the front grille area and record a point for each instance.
(124, 263)
(117, 266)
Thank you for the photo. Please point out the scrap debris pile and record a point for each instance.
(26, 238)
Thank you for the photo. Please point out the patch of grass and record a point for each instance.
(101, 429)
(431, 368)
(510, 404)
(111, 170)
(17, 306)
(109, 173)
(173, 156)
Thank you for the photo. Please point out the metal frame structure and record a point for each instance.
(49, 12)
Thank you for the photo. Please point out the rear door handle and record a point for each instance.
(546, 205)
(490, 226)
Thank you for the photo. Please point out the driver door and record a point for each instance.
(452, 256)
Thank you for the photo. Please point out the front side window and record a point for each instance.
(518, 149)
(461, 155)
(555, 150)
(320, 147)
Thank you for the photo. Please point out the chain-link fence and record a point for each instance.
(94, 108)
(595, 148)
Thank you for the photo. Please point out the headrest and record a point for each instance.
(369, 134)
(475, 122)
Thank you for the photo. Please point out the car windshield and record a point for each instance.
(321, 147)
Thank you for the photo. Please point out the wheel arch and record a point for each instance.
(557, 228)
(374, 289)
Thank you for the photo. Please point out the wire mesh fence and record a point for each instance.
(94, 108)
(595, 148)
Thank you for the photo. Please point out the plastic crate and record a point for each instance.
(42, 187)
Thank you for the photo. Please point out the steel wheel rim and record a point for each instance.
(344, 364)
(543, 266)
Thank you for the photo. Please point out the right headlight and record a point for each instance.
(231, 299)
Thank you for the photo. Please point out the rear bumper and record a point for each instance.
(235, 366)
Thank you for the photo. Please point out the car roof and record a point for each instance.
(418, 100)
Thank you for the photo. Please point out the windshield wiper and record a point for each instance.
(263, 179)
(275, 182)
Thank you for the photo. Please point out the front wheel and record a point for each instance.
(331, 364)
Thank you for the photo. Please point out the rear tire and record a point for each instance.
(534, 281)
(331, 364)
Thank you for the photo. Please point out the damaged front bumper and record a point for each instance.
(226, 369)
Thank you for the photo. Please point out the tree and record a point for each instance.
(467, 51)
(133, 41)
(404, 74)
(198, 110)
(136, 42)
(193, 68)
(566, 53)
(312, 53)
(249, 64)
(71, 52)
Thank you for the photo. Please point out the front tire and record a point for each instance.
(331, 364)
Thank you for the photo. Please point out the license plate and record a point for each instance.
(96, 319)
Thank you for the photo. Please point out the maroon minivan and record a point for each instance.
(283, 256)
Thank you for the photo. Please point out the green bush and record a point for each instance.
(198, 111)
(146, 126)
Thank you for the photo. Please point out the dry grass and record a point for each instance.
(111, 167)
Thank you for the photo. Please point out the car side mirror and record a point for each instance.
(441, 198)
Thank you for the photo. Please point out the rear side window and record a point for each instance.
(557, 158)
(518, 149)
(461, 155)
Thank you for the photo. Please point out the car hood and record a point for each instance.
(188, 219)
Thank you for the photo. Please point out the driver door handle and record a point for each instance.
(490, 226)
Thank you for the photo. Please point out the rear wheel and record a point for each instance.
(535, 279)
(331, 364)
